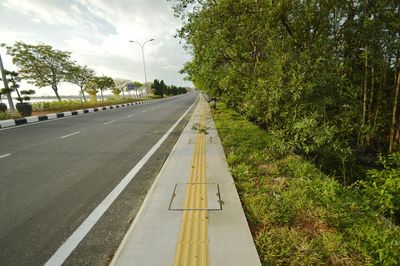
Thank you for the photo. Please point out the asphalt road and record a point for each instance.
(54, 174)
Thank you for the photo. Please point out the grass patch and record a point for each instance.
(298, 215)
(9, 115)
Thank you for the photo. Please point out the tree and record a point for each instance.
(163, 88)
(14, 80)
(137, 85)
(122, 84)
(103, 83)
(79, 75)
(155, 87)
(40, 64)
(91, 88)
(322, 75)
(181, 90)
(116, 91)
(158, 87)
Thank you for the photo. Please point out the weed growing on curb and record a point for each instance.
(200, 129)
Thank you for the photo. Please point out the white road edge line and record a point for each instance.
(69, 135)
(108, 122)
(73, 240)
(5, 155)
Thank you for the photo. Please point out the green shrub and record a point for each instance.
(9, 115)
(297, 214)
(70, 105)
(382, 186)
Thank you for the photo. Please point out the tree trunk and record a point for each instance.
(55, 89)
(380, 89)
(83, 93)
(371, 98)
(101, 92)
(365, 86)
(393, 130)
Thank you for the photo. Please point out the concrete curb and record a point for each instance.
(34, 119)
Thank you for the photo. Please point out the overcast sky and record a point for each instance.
(97, 33)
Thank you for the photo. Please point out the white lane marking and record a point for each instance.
(5, 155)
(73, 240)
(108, 122)
(131, 115)
(69, 135)
(144, 111)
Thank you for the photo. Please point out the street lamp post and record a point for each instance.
(144, 62)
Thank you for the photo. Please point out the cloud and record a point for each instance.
(97, 33)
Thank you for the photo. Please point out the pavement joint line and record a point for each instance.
(5, 155)
(112, 121)
(69, 135)
(65, 250)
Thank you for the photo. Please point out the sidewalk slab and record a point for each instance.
(153, 235)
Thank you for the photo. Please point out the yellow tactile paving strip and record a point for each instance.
(192, 246)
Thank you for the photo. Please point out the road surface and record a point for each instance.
(54, 174)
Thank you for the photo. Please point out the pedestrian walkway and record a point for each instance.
(192, 215)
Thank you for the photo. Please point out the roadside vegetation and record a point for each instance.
(9, 115)
(297, 214)
(62, 106)
(321, 80)
(44, 66)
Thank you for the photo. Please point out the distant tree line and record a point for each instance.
(42, 66)
(161, 89)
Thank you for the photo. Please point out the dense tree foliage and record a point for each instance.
(79, 75)
(174, 90)
(323, 75)
(159, 87)
(103, 83)
(41, 64)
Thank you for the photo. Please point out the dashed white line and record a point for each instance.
(109, 122)
(69, 135)
(5, 155)
(131, 115)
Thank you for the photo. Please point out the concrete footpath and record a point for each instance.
(192, 214)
